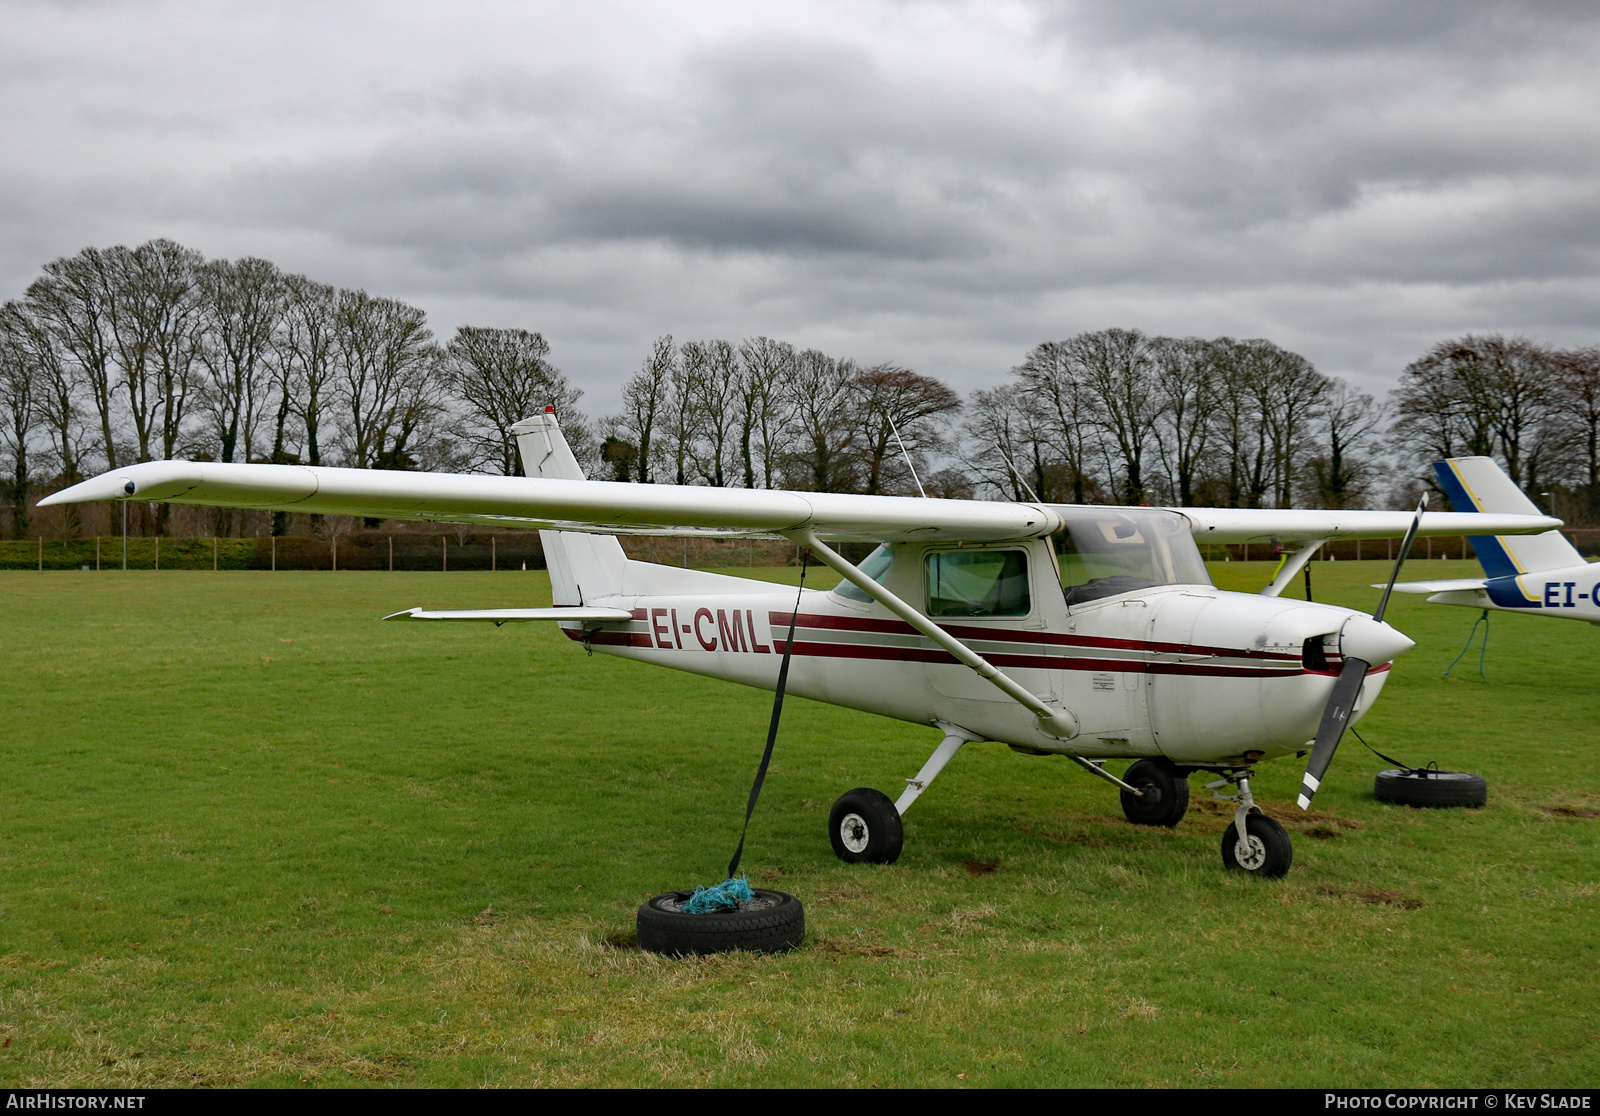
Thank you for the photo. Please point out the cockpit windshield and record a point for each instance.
(1104, 552)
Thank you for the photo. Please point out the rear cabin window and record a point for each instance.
(978, 583)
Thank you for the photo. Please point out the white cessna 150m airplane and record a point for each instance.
(1089, 632)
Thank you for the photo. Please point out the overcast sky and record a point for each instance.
(938, 184)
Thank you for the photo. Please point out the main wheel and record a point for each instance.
(865, 826)
(773, 922)
(1431, 788)
(1267, 850)
(1166, 793)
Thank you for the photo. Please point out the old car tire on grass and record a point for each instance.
(864, 826)
(1430, 788)
(777, 924)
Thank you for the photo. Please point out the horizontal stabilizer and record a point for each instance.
(1455, 585)
(516, 615)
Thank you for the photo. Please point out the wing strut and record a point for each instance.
(1061, 723)
(1293, 562)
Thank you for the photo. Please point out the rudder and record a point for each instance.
(1479, 484)
(582, 566)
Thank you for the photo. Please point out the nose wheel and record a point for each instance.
(1253, 843)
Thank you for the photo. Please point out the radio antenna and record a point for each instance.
(1034, 496)
(909, 464)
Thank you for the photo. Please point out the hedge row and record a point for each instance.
(363, 551)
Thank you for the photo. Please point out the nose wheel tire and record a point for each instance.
(1265, 851)
(1166, 793)
(865, 827)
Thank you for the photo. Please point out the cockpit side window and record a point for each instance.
(876, 566)
(977, 583)
(1105, 553)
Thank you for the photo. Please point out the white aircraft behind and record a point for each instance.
(1089, 632)
(1543, 574)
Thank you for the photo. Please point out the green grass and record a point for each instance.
(250, 836)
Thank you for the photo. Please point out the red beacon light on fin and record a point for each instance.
(549, 408)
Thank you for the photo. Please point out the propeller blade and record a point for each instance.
(1348, 686)
(1405, 548)
(1334, 719)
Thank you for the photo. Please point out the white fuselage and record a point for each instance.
(1572, 593)
(1186, 671)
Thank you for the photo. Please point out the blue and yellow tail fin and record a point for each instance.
(1479, 484)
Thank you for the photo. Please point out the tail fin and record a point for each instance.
(582, 566)
(1478, 484)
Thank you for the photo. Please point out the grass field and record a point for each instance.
(250, 836)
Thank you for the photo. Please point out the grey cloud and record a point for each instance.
(1351, 178)
(1354, 25)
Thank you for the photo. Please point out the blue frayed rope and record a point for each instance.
(1482, 651)
(725, 896)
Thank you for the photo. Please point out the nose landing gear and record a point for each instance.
(1254, 843)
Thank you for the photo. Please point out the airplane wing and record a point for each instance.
(1238, 525)
(613, 507)
(605, 507)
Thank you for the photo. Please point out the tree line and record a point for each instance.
(121, 355)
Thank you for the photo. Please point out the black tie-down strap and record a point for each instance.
(777, 712)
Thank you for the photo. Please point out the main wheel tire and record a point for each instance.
(864, 826)
(1166, 793)
(777, 926)
(1269, 850)
(1431, 788)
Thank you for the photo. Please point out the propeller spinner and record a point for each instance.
(1362, 642)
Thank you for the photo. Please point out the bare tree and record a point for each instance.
(502, 376)
(1186, 377)
(1051, 377)
(1477, 395)
(711, 394)
(1288, 392)
(304, 367)
(72, 302)
(823, 396)
(1575, 391)
(890, 399)
(242, 305)
(1005, 448)
(1241, 435)
(765, 407)
(1115, 365)
(19, 415)
(56, 396)
(1341, 477)
(155, 311)
(387, 381)
(647, 407)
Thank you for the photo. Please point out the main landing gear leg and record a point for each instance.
(1254, 843)
(865, 826)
